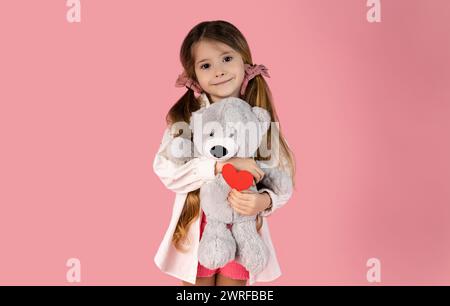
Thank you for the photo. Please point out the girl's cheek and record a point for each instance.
(201, 78)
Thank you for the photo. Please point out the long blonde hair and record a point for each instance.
(256, 94)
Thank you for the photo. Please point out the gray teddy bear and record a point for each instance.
(222, 130)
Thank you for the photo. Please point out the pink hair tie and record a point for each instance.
(250, 72)
(184, 81)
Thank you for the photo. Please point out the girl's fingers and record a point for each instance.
(237, 204)
(234, 204)
(231, 199)
(248, 164)
(255, 174)
(239, 195)
(260, 172)
(240, 210)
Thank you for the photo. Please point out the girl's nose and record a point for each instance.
(219, 74)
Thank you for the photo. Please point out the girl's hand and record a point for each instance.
(248, 202)
(247, 164)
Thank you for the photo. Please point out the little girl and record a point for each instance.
(217, 64)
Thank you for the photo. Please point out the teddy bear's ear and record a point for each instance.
(263, 117)
(195, 116)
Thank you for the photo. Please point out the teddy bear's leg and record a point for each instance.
(252, 252)
(217, 246)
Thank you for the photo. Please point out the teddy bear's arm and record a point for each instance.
(278, 184)
(181, 175)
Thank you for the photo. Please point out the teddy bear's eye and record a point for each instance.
(212, 133)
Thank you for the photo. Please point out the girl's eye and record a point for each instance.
(226, 58)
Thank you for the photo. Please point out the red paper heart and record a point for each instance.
(239, 180)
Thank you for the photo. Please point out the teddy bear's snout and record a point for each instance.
(218, 151)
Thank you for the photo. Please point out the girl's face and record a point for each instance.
(219, 69)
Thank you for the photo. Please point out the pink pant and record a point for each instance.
(232, 269)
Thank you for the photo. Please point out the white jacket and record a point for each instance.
(188, 177)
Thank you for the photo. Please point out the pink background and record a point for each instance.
(365, 107)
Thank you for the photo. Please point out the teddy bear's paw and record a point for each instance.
(254, 256)
(217, 246)
(252, 251)
(216, 253)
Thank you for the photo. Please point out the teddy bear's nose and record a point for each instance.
(218, 151)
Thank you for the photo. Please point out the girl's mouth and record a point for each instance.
(223, 82)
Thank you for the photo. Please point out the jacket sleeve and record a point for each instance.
(182, 178)
(278, 184)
